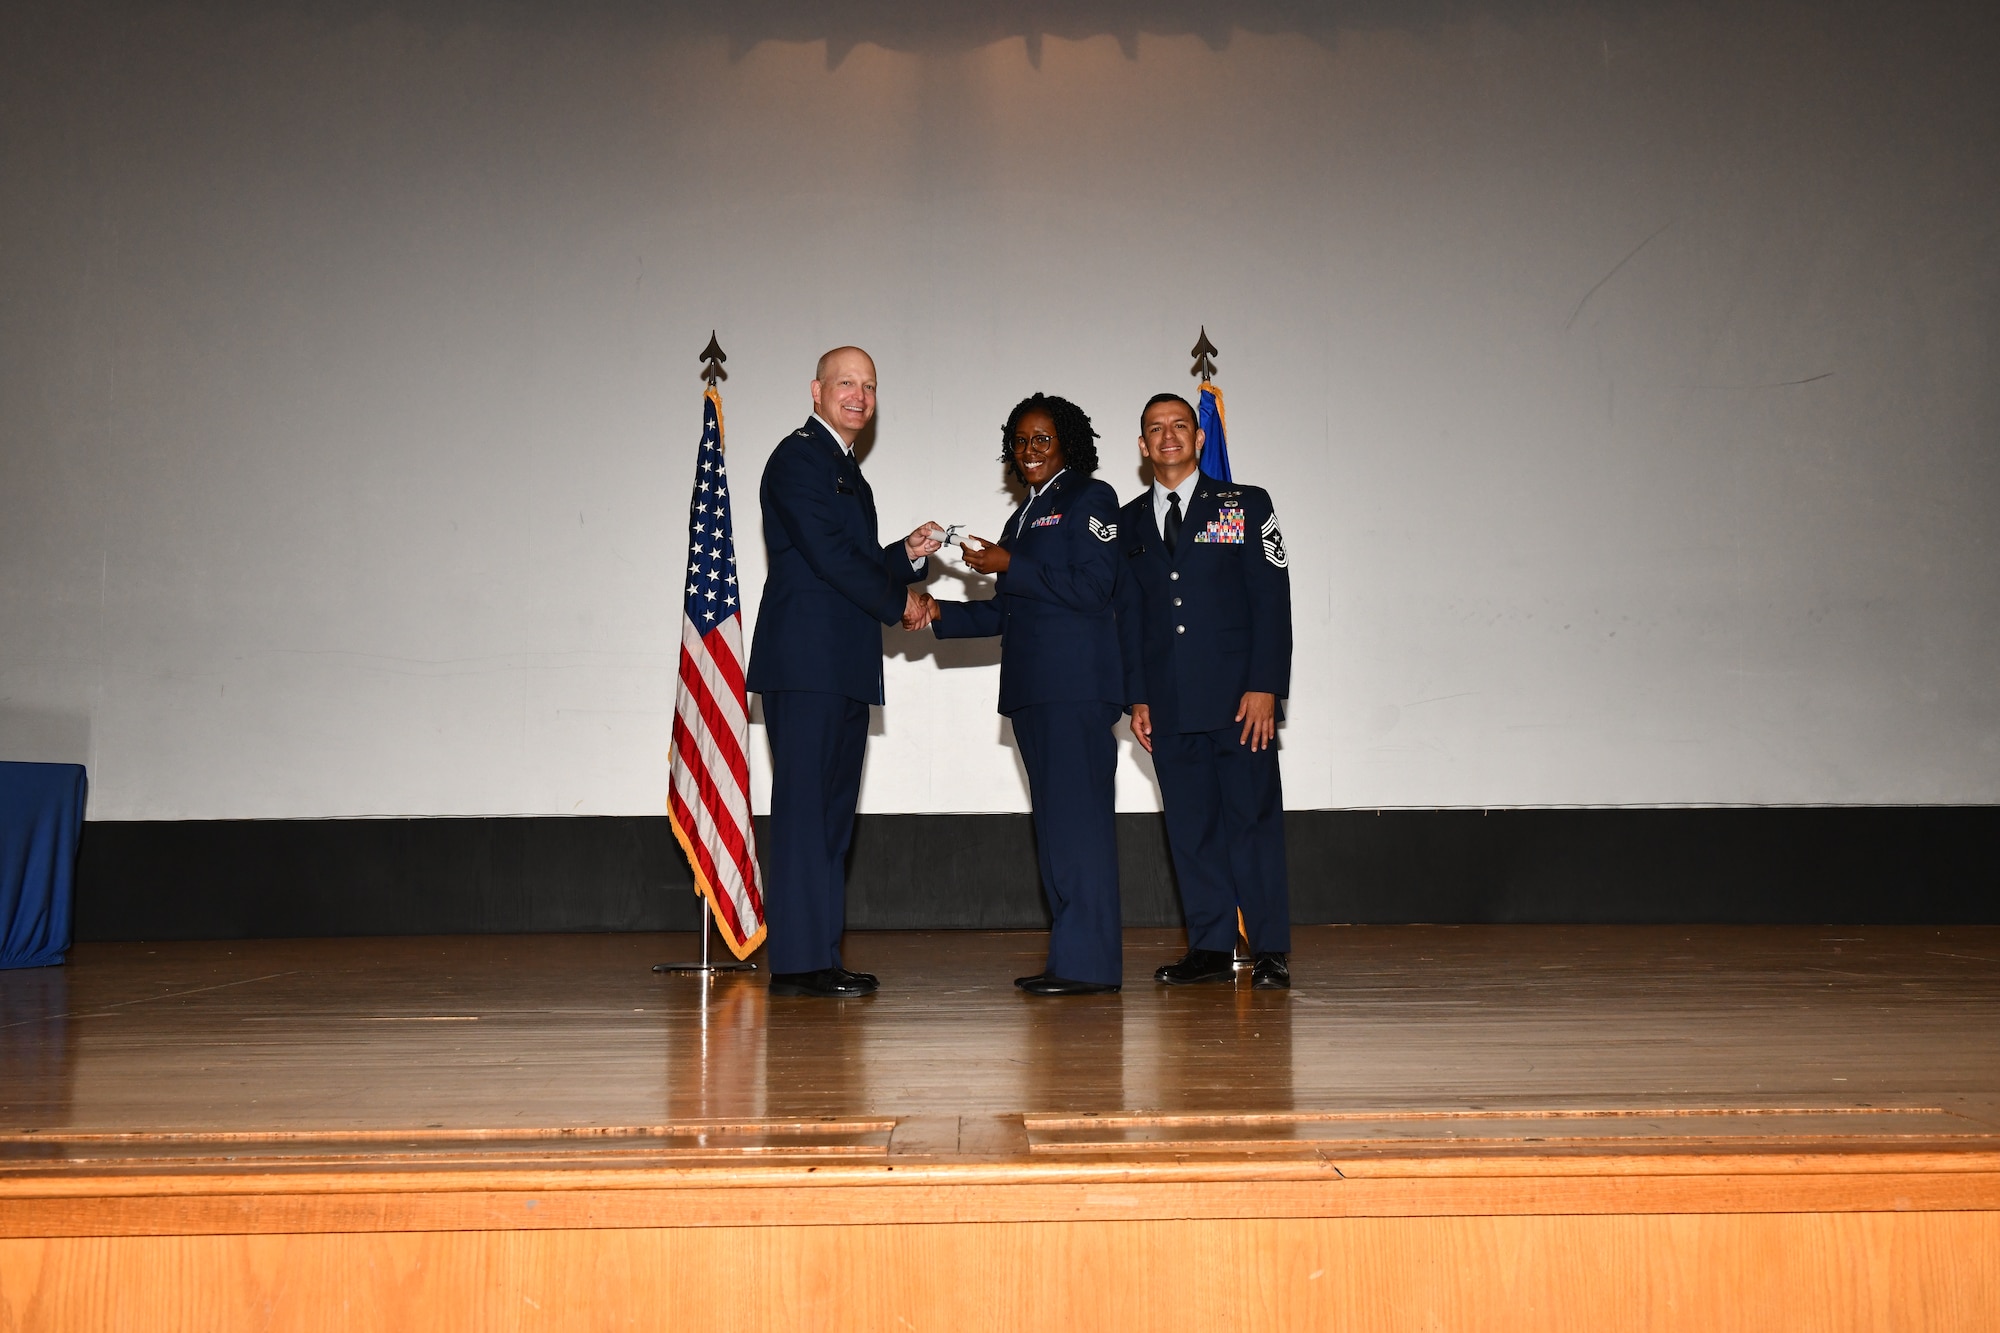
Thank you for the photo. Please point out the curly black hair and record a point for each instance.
(1073, 429)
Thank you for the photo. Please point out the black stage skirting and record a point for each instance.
(233, 879)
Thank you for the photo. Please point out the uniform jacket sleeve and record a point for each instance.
(896, 561)
(805, 497)
(1131, 629)
(968, 620)
(1267, 580)
(1088, 575)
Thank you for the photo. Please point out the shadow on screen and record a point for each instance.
(922, 27)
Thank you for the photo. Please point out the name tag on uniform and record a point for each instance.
(1048, 522)
(1228, 527)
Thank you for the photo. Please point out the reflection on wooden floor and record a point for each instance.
(1443, 1032)
(554, 1083)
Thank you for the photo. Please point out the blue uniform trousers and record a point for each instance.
(1072, 759)
(817, 743)
(1226, 829)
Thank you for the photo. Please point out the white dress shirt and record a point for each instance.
(1185, 490)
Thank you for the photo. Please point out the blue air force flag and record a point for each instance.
(1208, 416)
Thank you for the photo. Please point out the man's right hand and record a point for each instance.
(1142, 725)
(919, 610)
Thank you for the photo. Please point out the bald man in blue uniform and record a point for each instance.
(816, 659)
(1205, 620)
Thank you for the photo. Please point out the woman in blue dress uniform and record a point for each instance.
(1061, 678)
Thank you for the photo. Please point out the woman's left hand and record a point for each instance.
(990, 558)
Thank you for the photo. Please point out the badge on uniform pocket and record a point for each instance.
(1048, 522)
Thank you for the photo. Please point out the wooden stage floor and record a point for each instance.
(265, 1092)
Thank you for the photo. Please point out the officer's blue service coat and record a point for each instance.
(1211, 621)
(1053, 607)
(830, 582)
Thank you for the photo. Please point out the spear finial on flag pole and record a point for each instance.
(1208, 412)
(708, 802)
(1204, 355)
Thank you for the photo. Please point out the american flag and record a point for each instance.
(709, 804)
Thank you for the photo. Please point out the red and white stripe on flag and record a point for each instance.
(709, 801)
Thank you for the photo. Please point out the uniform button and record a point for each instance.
(1175, 575)
(1180, 629)
(1177, 601)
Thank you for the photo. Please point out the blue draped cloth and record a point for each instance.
(41, 822)
(1209, 418)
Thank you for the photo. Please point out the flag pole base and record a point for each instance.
(704, 966)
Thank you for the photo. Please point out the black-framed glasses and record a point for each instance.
(1034, 444)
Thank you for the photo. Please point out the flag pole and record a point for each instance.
(705, 967)
(712, 371)
(1204, 353)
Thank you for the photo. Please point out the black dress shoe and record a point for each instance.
(1199, 965)
(865, 978)
(829, 983)
(1271, 972)
(1049, 984)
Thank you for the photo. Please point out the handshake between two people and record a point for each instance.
(919, 607)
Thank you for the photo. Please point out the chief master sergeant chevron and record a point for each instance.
(1205, 628)
(816, 659)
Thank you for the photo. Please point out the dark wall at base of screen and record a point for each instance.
(237, 879)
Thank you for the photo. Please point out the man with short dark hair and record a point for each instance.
(1205, 625)
(816, 659)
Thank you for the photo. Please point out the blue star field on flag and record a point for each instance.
(711, 587)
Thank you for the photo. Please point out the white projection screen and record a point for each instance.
(1625, 376)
